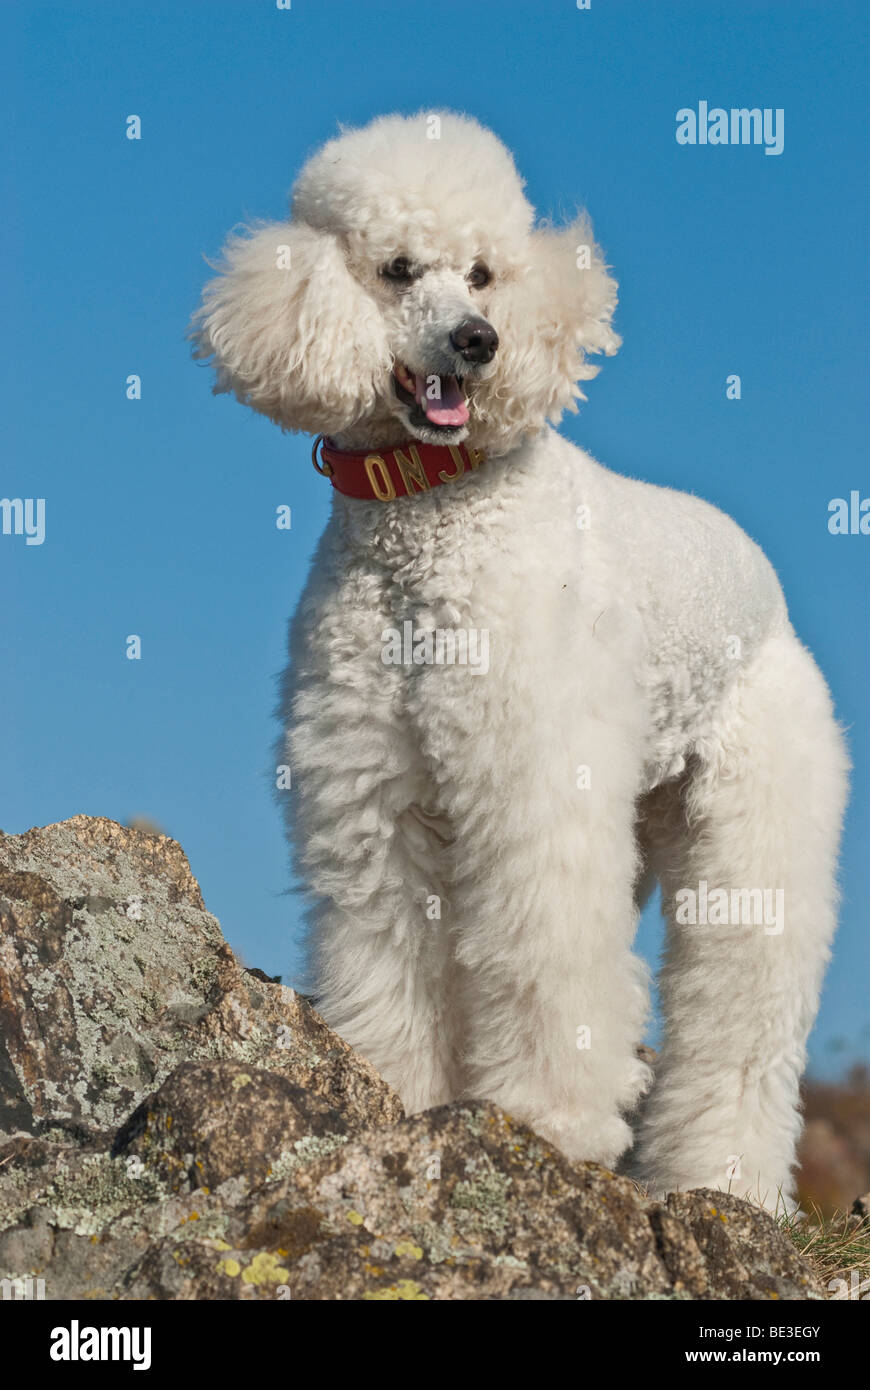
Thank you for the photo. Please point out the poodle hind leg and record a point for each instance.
(748, 885)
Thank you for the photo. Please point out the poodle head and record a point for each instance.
(410, 295)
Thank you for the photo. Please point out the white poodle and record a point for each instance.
(522, 688)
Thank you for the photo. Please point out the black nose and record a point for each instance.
(475, 340)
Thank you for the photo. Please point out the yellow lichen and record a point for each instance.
(229, 1267)
(407, 1247)
(354, 1218)
(405, 1289)
(264, 1269)
(241, 1080)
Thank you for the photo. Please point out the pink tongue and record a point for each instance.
(450, 408)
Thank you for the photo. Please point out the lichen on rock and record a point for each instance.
(174, 1126)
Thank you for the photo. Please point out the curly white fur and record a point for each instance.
(635, 634)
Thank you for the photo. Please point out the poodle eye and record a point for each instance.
(399, 271)
(478, 276)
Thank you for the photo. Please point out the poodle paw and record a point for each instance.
(584, 1140)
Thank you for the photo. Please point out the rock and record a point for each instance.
(112, 972)
(269, 1025)
(216, 1120)
(460, 1202)
(178, 1127)
(745, 1253)
(464, 1203)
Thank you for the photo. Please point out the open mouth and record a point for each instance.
(438, 401)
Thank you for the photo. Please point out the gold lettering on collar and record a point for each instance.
(378, 473)
(411, 469)
(457, 458)
(475, 456)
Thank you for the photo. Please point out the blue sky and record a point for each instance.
(160, 512)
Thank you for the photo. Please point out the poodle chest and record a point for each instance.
(527, 585)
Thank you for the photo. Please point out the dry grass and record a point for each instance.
(834, 1246)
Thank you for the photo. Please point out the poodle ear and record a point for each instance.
(290, 331)
(574, 266)
(557, 309)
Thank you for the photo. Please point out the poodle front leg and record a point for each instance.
(553, 1001)
(380, 957)
(748, 883)
(380, 977)
(371, 856)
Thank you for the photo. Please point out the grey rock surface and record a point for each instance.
(112, 972)
(174, 1126)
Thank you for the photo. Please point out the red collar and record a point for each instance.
(383, 474)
